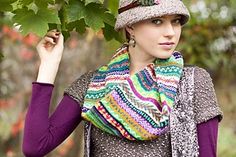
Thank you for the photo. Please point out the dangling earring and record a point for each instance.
(132, 41)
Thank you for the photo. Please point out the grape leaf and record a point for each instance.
(75, 11)
(5, 5)
(76, 15)
(93, 1)
(53, 26)
(43, 4)
(110, 33)
(61, 1)
(26, 2)
(93, 16)
(36, 23)
(79, 25)
(109, 18)
(112, 6)
(51, 16)
(92, 13)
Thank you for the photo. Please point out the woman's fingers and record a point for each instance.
(60, 40)
(46, 43)
(53, 34)
(49, 40)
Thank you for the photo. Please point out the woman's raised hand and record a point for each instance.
(50, 50)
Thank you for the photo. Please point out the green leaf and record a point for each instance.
(109, 18)
(92, 13)
(66, 35)
(43, 4)
(93, 1)
(75, 11)
(51, 1)
(51, 16)
(79, 25)
(5, 5)
(113, 5)
(36, 23)
(94, 16)
(61, 1)
(109, 33)
(26, 2)
(24, 18)
(53, 26)
(33, 6)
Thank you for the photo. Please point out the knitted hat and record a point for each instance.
(133, 11)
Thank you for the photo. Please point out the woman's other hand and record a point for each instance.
(50, 50)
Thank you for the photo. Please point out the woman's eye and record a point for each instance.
(177, 21)
(157, 21)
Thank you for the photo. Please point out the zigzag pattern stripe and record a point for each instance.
(135, 107)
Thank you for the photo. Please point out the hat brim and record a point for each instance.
(140, 13)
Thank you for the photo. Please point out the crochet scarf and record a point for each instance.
(135, 107)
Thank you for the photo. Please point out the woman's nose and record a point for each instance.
(169, 30)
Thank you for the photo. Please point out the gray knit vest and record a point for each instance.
(195, 103)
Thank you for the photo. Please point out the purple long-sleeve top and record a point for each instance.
(42, 133)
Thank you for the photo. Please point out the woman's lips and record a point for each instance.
(167, 45)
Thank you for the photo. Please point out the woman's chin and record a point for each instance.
(165, 55)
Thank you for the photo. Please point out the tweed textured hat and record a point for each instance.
(133, 11)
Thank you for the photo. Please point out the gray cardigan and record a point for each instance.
(195, 103)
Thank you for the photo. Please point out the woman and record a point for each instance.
(144, 102)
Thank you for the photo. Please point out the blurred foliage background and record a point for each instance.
(208, 41)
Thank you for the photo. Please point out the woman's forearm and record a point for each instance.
(47, 72)
(207, 137)
(43, 133)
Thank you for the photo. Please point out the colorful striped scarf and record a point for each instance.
(135, 107)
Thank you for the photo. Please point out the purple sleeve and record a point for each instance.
(207, 137)
(41, 132)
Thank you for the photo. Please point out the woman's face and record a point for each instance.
(157, 37)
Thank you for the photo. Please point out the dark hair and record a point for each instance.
(182, 20)
(127, 35)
